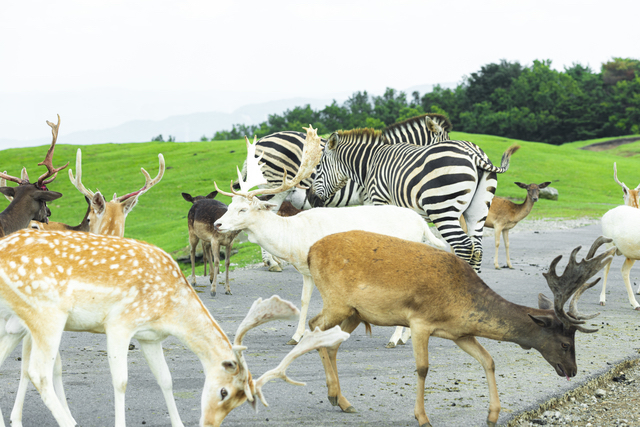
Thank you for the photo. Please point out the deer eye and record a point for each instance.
(223, 393)
(243, 210)
(565, 346)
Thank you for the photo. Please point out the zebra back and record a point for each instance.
(423, 130)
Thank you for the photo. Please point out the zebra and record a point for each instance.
(423, 130)
(441, 181)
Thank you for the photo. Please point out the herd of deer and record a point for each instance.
(367, 269)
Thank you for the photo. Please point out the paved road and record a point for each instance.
(379, 382)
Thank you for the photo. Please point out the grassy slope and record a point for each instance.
(583, 178)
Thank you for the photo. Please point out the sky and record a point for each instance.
(100, 63)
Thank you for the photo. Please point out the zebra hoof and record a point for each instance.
(390, 344)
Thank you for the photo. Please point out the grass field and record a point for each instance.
(584, 180)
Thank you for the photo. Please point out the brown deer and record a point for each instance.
(108, 218)
(201, 218)
(386, 281)
(126, 289)
(504, 215)
(29, 200)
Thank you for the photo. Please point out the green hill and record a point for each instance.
(583, 178)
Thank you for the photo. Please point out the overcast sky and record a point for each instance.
(224, 54)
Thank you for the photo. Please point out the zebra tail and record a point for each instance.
(504, 164)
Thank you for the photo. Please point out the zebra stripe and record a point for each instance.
(441, 181)
(423, 130)
(283, 151)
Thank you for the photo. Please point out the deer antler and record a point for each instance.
(574, 281)
(260, 312)
(77, 181)
(254, 168)
(311, 154)
(23, 180)
(148, 182)
(310, 341)
(48, 160)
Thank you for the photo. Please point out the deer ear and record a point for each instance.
(47, 196)
(520, 184)
(544, 320)
(8, 191)
(230, 366)
(544, 303)
(129, 204)
(187, 197)
(212, 195)
(544, 184)
(98, 203)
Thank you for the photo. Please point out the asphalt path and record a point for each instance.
(379, 382)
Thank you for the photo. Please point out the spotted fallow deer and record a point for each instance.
(201, 218)
(504, 215)
(290, 238)
(126, 289)
(108, 218)
(438, 294)
(622, 224)
(29, 200)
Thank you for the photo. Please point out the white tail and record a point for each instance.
(125, 289)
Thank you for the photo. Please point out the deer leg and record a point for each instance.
(227, 265)
(605, 274)
(395, 338)
(205, 256)
(421, 354)
(626, 270)
(193, 242)
(215, 266)
(505, 236)
(157, 363)
(41, 367)
(473, 347)
(8, 342)
(117, 348)
(328, 355)
(307, 290)
(497, 231)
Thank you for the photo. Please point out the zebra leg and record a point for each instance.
(476, 214)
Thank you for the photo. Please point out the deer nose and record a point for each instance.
(216, 226)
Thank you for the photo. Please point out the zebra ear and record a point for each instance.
(333, 140)
(432, 126)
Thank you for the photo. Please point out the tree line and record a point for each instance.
(533, 103)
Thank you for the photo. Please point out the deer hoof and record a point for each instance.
(426, 425)
(498, 267)
(390, 344)
(227, 292)
(275, 269)
(400, 342)
(602, 303)
(213, 293)
(637, 308)
(292, 342)
(350, 410)
(491, 424)
(333, 400)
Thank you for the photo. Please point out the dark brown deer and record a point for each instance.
(29, 200)
(386, 281)
(60, 226)
(202, 215)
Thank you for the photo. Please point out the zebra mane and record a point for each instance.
(360, 132)
(441, 119)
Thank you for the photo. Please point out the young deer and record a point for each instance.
(290, 238)
(438, 294)
(125, 289)
(108, 218)
(29, 201)
(621, 225)
(202, 215)
(504, 215)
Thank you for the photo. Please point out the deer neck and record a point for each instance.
(280, 236)
(112, 223)
(523, 209)
(13, 218)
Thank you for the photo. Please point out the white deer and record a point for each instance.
(290, 238)
(622, 224)
(51, 281)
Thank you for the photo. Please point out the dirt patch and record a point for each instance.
(608, 145)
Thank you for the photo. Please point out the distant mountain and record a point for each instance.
(82, 110)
